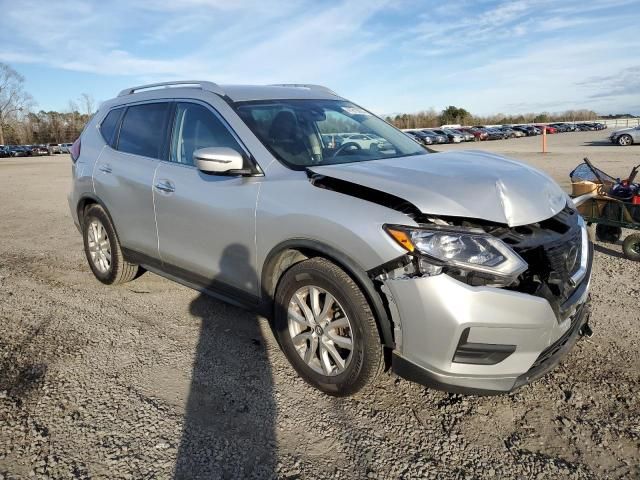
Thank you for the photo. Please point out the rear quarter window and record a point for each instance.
(109, 125)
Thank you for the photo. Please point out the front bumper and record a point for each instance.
(434, 312)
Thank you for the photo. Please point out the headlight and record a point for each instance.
(467, 251)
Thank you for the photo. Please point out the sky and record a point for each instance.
(487, 56)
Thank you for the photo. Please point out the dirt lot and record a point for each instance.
(152, 380)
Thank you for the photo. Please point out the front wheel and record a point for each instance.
(631, 247)
(625, 140)
(326, 328)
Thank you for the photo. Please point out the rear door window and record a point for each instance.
(143, 129)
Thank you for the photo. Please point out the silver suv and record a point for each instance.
(463, 271)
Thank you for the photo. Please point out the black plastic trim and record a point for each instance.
(480, 353)
(414, 373)
(213, 288)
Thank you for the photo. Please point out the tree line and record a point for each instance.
(459, 116)
(20, 125)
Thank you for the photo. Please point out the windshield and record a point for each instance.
(305, 133)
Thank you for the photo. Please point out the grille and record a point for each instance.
(565, 258)
(552, 249)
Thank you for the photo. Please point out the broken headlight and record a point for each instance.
(486, 259)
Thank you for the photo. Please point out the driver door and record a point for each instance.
(206, 222)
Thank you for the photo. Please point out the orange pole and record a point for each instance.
(544, 139)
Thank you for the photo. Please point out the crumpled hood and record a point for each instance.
(474, 184)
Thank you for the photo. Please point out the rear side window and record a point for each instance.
(109, 125)
(143, 129)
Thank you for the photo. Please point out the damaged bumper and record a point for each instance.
(480, 340)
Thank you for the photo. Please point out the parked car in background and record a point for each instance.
(452, 137)
(439, 138)
(39, 150)
(495, 134)
(626, 136)
(4, 152)
(18, 151)
(64, 147)
(435, 138)
(53, 148)
(468, 137)
(478, 133)
(463, 271)
(362, 140)
(550, 129)
(510, 132)
(528, 130)
(586, 127)
(420, 137)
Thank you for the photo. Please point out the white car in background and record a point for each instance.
(363, 140)
(64, 147)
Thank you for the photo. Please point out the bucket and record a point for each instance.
(582, 188)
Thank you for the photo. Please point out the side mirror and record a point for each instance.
(218, 160)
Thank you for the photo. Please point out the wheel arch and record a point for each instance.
(288, 253)
(85, 202)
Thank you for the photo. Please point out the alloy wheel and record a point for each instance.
(99, 246)
(320, 330)
(624, 140)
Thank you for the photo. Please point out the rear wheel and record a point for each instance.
(103, 251)
(631, 247)
(625, 140)
(608, 234)
(326, 328)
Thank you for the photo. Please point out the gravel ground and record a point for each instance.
(153, 380)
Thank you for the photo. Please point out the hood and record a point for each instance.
(623, 130)
(473, 184)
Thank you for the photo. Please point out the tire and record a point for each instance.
(631, 247)
(624, 140)
(105, 255)
(363, 362)
(608, 234)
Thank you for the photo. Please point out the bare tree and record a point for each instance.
(13, 98)
(88, 104)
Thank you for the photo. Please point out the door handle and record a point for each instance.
(105, 168)
(165, 186)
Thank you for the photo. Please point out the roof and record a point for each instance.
(240, 93)
(243, 93)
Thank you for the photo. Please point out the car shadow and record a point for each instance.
(608, 251)
(599, 143)
(229, 424)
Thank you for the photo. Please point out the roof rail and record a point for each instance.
(203, 85)
(310, 86)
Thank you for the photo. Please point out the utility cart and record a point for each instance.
(610, 204)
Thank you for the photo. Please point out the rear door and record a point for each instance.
(123, 175)
(206, 223)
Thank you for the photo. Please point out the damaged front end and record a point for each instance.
(485, 298)
(493, 318)
(546, 259)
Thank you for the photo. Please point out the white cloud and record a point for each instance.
(484, 56)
